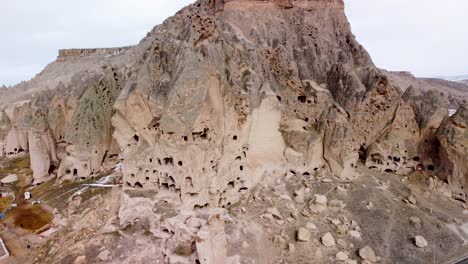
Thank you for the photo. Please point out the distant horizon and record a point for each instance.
(397, 35)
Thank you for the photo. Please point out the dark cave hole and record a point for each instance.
(362, 154)
(51, 168)
(302, 98)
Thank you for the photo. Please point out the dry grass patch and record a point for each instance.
(5, 202)
(14, 166)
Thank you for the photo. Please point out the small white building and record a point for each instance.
(27, 195)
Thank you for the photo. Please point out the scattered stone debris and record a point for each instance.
(354, 234)
(328, 240)
(415, 221)
(420, 242)
(410, 200)
(303, 235)
(342, 256)
(311, 226)
(366, 253)
(291, 248)
(104, 255)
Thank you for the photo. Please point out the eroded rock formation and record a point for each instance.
(221, 99)
(453, 151)
(224, 96)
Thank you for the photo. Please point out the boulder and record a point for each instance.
(366, 253)
(104, 255)
(328, 240)
(341, 256)
(420, 242)
(303, 235)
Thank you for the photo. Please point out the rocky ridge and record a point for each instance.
(220, 98)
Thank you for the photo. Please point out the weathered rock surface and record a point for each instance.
(211, 242)
(222, 98)
(453, 151)
(220, 79)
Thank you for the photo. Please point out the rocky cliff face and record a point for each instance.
(221, 99)
(453, 151)
(223, 96)
(223, 93)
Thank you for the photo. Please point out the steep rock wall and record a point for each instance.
(219, 98)
(453, 138)
(215, 107)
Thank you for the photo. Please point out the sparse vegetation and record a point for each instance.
(57, 194)
(5, 202)
(15, 166)
(92, 192)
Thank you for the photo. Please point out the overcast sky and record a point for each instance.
(427, 37)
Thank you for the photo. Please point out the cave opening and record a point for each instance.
(362, 154)
(51, 168)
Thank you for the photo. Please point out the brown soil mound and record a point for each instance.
(31, 217)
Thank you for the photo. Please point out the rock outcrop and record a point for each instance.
(217, 98)
(453, 151)
(227, 93)
(220, 99)
(67, 54)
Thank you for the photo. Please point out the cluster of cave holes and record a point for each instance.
(305, 173)
(377, 158)
(75, 172)
(16, 151)
(169, 185)
(197, 135)
(234, 185)
(201, 134)
(169, 161)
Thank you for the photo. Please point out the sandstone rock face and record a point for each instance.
(218, 98)
(231, 101)
(397, 148)
(453, 138)
(5, 127)
(431, 112)
(68, 130)
(41, 144)
(88, 130)
(211, 242)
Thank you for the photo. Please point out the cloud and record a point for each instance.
(427, 37)
(33, 31)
